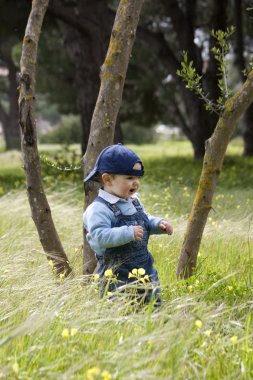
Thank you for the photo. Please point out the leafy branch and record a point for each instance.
(194, 81)
(57, 165)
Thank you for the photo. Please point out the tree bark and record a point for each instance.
(40, 209)
(113, 73)
(215, 151)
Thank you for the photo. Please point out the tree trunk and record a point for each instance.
(215, 151)
(113, 73)
(241, 64)
(10, 119)
(199, 122)
(40, 209)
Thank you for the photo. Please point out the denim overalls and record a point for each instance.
(123, 259)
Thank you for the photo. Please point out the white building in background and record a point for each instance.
(4, 72)
(169, 132)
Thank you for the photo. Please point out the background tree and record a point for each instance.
(11, 29)
(240, 17)
(9, 115)
(86, 27)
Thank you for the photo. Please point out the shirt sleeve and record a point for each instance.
(98, 221)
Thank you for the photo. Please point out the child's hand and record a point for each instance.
(166, 227)
(138, 232)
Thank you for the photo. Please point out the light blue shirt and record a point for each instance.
(99, 220)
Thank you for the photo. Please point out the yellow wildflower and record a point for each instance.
(106, 375)
(141, 271)
(135, 271)
(51, 263)
(198, 323)
(108, 273)
(73, 331)
(208, 332)
(65, 333)
(233, 339)
(96, 276)
(230, 288)
(62, 276)
(15, 368)
(131, 275)
(146, 277)
(92, 372)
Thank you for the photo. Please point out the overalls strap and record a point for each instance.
(137, 204)
(115, 209)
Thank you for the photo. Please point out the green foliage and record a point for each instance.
(194, 81)
(148, 99)
(46, 109)
(61, 167)
(137, 135)
(220, 52)
(54, 73)
(67, 132)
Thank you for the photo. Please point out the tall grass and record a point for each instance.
(52, 330)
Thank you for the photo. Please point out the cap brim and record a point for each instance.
(90, 176)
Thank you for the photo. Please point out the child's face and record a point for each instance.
(123, 186)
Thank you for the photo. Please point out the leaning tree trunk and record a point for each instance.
(41, 212)
(215, 151)
(113, 73)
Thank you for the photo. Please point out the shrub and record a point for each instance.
(67, 132)
(137, 135)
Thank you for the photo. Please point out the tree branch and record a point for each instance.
(66, 14)
(161, 48)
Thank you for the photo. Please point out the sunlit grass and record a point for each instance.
(203, 330)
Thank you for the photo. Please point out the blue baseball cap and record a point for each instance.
(116, 159)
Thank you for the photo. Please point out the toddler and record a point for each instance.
(118, 228)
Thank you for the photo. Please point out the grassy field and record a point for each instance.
(52, 330)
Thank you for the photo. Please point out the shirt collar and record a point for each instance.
(110, 197)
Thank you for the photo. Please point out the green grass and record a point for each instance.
(202, 331)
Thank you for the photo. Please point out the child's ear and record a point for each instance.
(106, 178)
